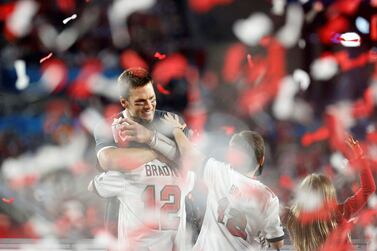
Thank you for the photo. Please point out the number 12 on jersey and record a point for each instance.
(171, 195)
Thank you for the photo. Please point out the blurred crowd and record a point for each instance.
(280, 67)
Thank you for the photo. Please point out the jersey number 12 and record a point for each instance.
(166, 193)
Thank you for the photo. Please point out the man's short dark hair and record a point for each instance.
(133, 78)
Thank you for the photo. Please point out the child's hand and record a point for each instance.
(356, 150)
(172, 120)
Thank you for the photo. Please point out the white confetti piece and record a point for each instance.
(324, 68)
(69, 18)
(350, 39)
(252, 29)
(22, 79)
(362, 25)
(302, 77)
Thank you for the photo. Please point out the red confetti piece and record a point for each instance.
(56, 72)
(337, 24)
(337, 134)
(80, 88)
(232, 62)
(373, 28)
(346, 63)
(205, 6)
(45, 58)
(319, 135)
(159, 56)
(8, 201)
(162, 90)
(255, 99)
(348, 7)
(130, 58)
(6, 10)
(66, 6)
(173, 67)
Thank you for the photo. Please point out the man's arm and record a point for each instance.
(123, 159)
(112, 157)
(188, 152)
(155, 140)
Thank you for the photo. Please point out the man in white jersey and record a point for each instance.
(241, 211)
(151, 192)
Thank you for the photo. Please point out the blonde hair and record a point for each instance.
(310, 235)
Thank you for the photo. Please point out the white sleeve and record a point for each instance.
(273, 228)
(109, 184)
(213, 170)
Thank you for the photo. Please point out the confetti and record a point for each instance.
(159, 56)
(201, 6)
(22, 79)
(318, 135)
(8, 201)
(252, 29)
(301, 77)
(362, 25)
(45, 58)
(278, 7)
(69, 18)
(130, 58)
(335, 25)
(324, 68)
(232, 63)
(162, 90)
(373, 29)
(350, 39)
(6, 10)
(348, 63)
(173, 67)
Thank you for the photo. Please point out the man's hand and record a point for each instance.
(135, 131)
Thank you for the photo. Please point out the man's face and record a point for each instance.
(141, 103)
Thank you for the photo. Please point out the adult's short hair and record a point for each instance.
(133, 78)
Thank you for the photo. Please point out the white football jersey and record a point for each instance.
(240, 212)
(152, 209)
